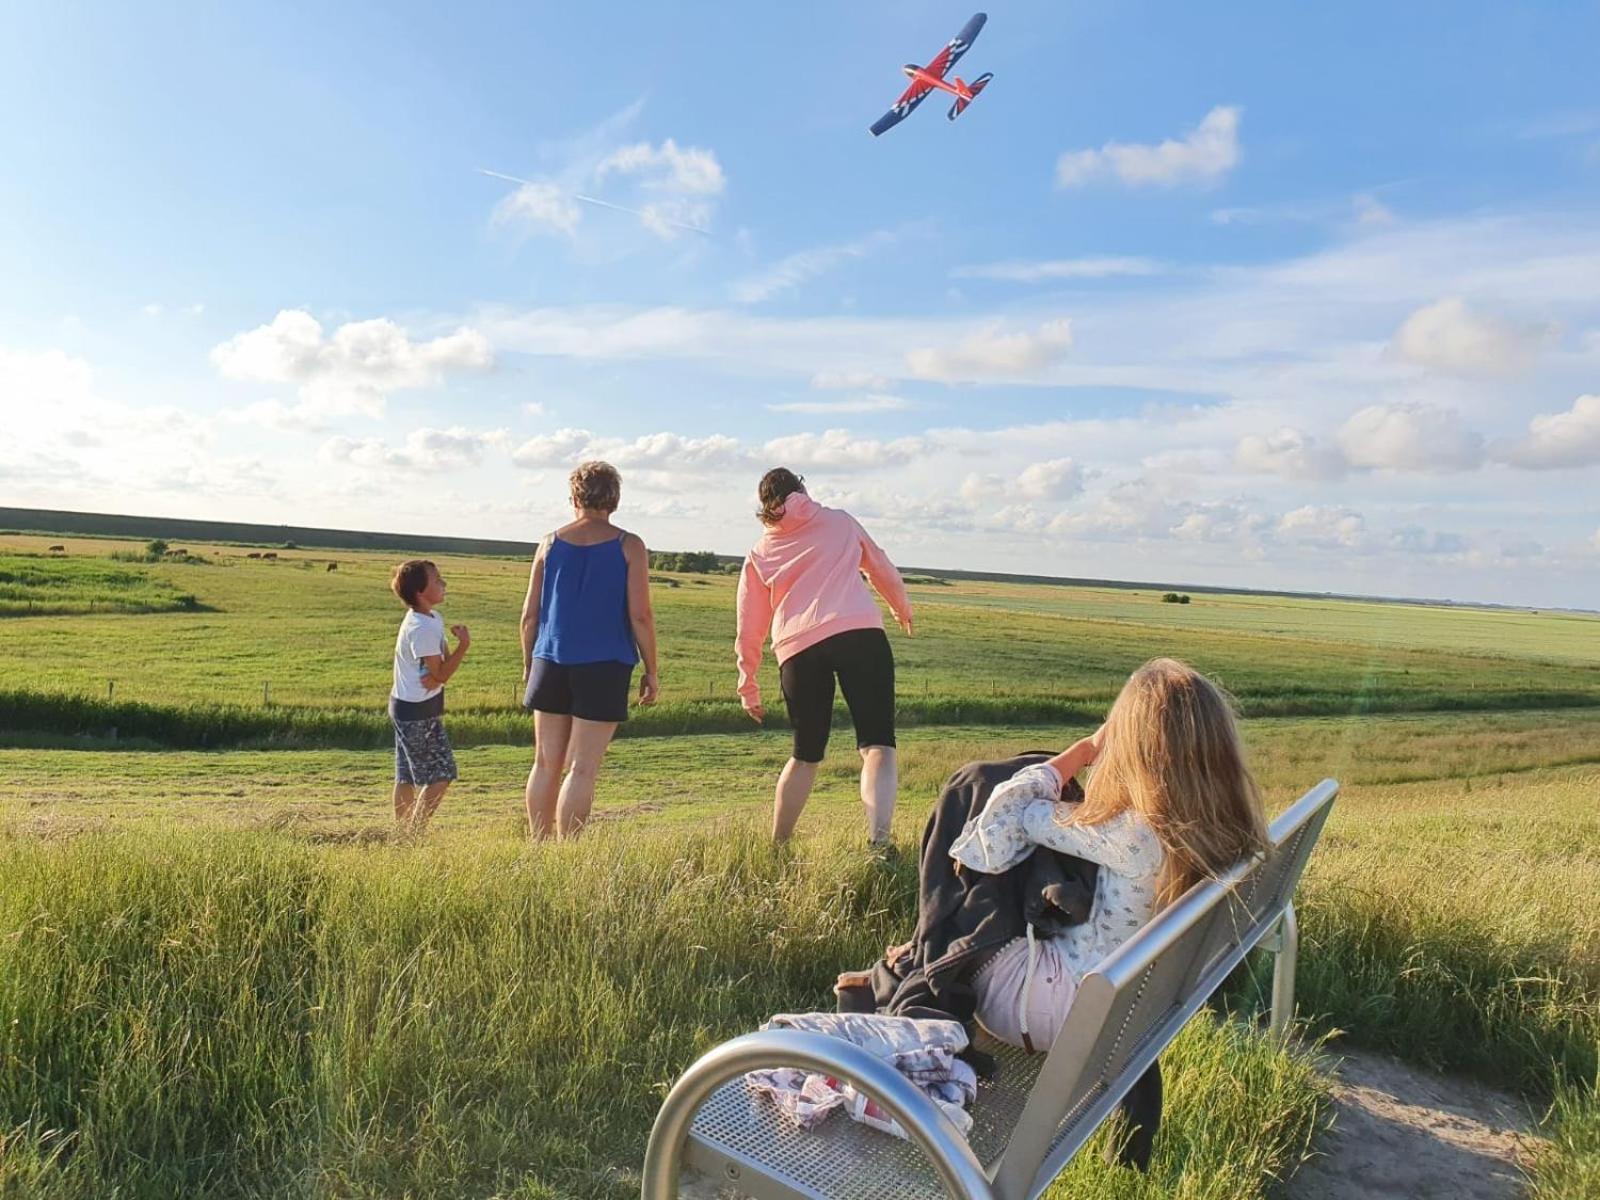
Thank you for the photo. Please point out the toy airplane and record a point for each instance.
(925, 80)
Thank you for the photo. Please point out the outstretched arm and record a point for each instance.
(754, 609)
(885, 578)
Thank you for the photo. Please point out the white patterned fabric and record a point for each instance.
(923, 1051)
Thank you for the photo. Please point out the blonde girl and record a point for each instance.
(1169, 802)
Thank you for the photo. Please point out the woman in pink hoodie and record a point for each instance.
(802, 583)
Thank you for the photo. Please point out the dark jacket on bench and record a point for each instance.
(965, 917)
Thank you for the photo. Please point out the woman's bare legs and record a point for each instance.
(794, 789)
(551, 734)
(880, 782)
(585, 748)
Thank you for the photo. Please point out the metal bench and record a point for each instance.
(1036, 1111)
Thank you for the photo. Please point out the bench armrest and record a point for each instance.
(928, 1128)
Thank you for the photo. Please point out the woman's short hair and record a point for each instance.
(596, 485)
(777, 485)
(410, 579)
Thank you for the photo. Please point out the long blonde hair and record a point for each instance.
(1172, 754)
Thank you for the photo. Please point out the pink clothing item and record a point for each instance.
(802, 583)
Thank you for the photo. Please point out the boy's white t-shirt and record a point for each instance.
(421, 636)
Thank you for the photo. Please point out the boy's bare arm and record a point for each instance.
(437, 668)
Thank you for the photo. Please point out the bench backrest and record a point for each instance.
(1128, 1009)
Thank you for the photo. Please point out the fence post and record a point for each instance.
(266, 692)
(111, 687)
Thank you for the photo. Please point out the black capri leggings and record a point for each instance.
(864, 665)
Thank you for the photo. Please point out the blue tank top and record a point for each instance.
(583, 605)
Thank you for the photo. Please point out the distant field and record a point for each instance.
(321, 640)
(33, 585)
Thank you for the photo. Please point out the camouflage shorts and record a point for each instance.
(422, 753)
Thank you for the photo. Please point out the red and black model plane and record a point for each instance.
(925, 80)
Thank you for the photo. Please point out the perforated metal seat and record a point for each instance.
(1038, 1110)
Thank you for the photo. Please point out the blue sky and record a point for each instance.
(1259, 294)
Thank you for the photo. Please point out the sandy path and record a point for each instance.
(1402, 1132)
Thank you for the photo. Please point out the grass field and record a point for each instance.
(222, 975)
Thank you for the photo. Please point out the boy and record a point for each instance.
(424, 764)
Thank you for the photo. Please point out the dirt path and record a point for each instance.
(1404, 1133)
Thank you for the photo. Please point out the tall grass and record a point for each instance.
(246, 1015)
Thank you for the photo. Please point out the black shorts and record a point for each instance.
(589, 691)
(864, 665)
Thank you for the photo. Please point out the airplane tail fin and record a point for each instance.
(977, 85)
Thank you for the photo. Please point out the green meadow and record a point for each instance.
(223, 974)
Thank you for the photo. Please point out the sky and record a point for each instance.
(1258, 295)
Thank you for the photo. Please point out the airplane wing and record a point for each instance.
(957, 46)
(942, 62)
(903, 108)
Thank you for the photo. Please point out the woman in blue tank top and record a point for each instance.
(586, 624)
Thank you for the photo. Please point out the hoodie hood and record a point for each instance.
(797, 510)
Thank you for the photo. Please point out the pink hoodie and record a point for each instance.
(803, 583)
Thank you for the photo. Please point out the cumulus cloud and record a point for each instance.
(1564, 439)
(1450, 337)
(839, 450)
(868, 403)
(1055, 479)
(1051, 270)
(429, 450)
(564, 447)
(356, 368)
(1204, 155)
(1410, 437)
(1322, 527)
(1289, 453)
(993, 353)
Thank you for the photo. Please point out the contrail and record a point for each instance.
(602, 203)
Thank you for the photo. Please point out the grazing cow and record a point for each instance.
(58, 549)
(254, 554)
(333, 566)
(270, 554)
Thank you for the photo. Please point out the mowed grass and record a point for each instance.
(322, 641)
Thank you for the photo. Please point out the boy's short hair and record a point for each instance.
(410, 578)
(596, 485)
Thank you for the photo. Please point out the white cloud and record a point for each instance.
(428, 450)
(839, 450)
(1205, 155)
(689, 171)
(1058, 268)
(870, 402)
(791, 272)
(993, 353)
(1326, 528)
(540, 204)
(1055, 479)
(356, 368)
(1290, 454)
(1410, 437)
(533, 408)
(562, 448)
(1448, 336)
(857, 381)
(1564, 439)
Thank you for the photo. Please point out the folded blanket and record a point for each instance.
(924, 1051)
